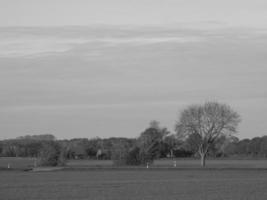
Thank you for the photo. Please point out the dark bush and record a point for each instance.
(133, 157)
(51, 154)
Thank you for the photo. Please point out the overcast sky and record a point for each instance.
(88, 68)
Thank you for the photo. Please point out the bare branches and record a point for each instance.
(209, 122)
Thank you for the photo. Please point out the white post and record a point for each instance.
(147, 165)
(8, 166)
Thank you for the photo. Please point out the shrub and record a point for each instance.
(51, 154)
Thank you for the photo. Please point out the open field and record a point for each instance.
(133, 184)
(180, 163)
(24, 163)
(222, 179)
(16, 163)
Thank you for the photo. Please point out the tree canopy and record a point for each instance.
(205, 124)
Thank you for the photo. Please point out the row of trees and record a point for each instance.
(118, 149)
(45, 148)
(201, 131)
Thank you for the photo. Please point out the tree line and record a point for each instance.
(200, 131)
(118, 148)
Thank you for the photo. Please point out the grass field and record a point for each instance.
(135, 185)
(16, 163)
(24, 163)
(221, 180)
(180, 163)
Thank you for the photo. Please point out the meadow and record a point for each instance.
(222, 180)
(16, 162)
(181, 163)
(26, 163)
(191, 184)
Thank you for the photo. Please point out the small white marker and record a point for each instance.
(147, 165)
(174, 163)
(8, 166)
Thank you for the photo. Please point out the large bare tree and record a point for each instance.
(206, 123)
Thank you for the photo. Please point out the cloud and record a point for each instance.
(29, 47)
(21, 42)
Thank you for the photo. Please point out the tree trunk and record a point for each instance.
(203, 159)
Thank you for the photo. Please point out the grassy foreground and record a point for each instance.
(135, 185)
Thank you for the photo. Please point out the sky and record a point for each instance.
(102, 68)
